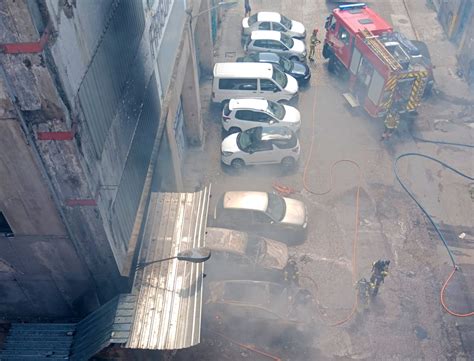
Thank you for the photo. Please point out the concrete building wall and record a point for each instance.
(78, 201)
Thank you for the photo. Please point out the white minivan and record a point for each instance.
(251, 80)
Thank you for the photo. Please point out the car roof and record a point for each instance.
(265, 35)
(268, 16)
(243, 70)
(257, 201)
(276, 133)
(221, 239)
(270, 57)
(248, 103)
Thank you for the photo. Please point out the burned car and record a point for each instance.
(239, 255)
(263, 307)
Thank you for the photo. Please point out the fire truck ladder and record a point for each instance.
(378, 48)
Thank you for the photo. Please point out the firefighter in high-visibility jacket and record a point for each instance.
(313, 41)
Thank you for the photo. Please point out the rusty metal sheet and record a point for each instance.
(169, 294)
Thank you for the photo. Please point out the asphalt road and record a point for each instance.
(407, 321)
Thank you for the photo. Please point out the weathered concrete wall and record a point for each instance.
(33, 81)
(41, 273)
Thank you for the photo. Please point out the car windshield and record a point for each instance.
(288, 41)
(252, 19)
(276, 109)
(286, 64)
(246, 139)
(286, 22)
(280, 77)
(276, 207)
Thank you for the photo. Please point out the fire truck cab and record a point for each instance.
(386, 76)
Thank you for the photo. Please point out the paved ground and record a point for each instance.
(407, 321)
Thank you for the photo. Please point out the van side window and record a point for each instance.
(268, 85)
(238, 84)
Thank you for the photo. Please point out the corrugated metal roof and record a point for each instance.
(169, 294)
(109, 324)
(77, 342)
(38, 342)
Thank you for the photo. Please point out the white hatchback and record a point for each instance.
(261, 145)
(268, 20)
(243, 114)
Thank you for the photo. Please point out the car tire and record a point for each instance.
(288, 163)
(294, 58)
(237, 164)
(233, 130)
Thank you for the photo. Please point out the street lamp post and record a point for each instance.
(193, 255)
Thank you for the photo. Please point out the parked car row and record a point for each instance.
(249, 231)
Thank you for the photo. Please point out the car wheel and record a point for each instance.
(233, 130)
(288, 162)
(237, 163)
(294, 58)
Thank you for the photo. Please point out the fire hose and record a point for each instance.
(440, 235)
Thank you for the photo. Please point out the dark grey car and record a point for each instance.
(297, 69)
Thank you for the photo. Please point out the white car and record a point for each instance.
(261, 145)
(266, 20)
(276, 42)
(243, 114)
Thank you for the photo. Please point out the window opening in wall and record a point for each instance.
(5, 228)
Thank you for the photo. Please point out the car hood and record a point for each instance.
(276, 256)
(292, 116)
(295, 212)
(298, 46)
(299, 69)
(297, 27)
(245, 25)
(292, 85)
(229, 144)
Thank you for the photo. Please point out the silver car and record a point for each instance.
(276, 42)
(267, 214)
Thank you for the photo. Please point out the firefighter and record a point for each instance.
(291, 273)
(363, 292)
(379, 272)
(247, 8)
(313, 41)
(391, 123)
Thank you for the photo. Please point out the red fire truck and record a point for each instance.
(387, 74)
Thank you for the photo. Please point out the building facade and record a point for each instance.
(457, 19)
(99, 100)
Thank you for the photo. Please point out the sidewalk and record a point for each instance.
(427, 28)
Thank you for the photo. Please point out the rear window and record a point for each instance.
(252, 19)
(226, 110)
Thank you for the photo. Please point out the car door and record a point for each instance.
(278, 27)
(265, 25)
(277, 47)
(244, 119)
(269, 90)
(261, 153)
